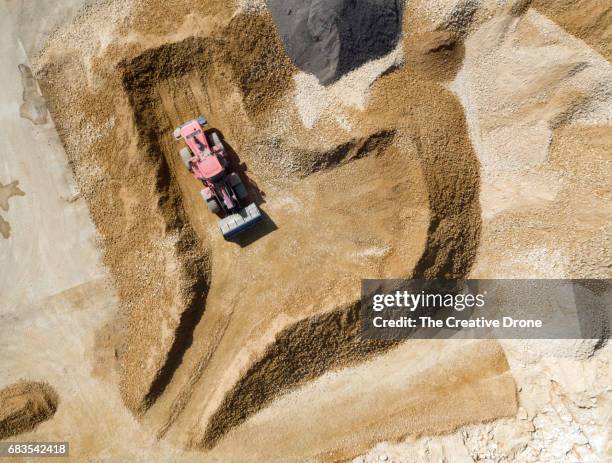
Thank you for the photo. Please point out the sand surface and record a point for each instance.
(419, 159)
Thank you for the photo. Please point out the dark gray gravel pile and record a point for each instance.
(329, 38)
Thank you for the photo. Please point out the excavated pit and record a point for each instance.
(217, 332)
(164, 89)
(171, 84)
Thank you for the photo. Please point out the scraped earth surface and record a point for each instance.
(404, 165)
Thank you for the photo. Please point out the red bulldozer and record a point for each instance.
(224, 192)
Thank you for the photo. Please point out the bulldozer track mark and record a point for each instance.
(182, 399)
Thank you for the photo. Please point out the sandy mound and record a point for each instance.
(24, 405)
(436, 55)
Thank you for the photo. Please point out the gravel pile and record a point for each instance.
(330, 38)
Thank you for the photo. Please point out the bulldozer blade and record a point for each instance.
(234, 224)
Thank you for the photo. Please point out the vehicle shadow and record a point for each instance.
(256, 195)
(261, 229)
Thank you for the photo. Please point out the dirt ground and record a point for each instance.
(226, 349)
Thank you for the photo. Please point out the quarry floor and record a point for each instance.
(56, 279)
